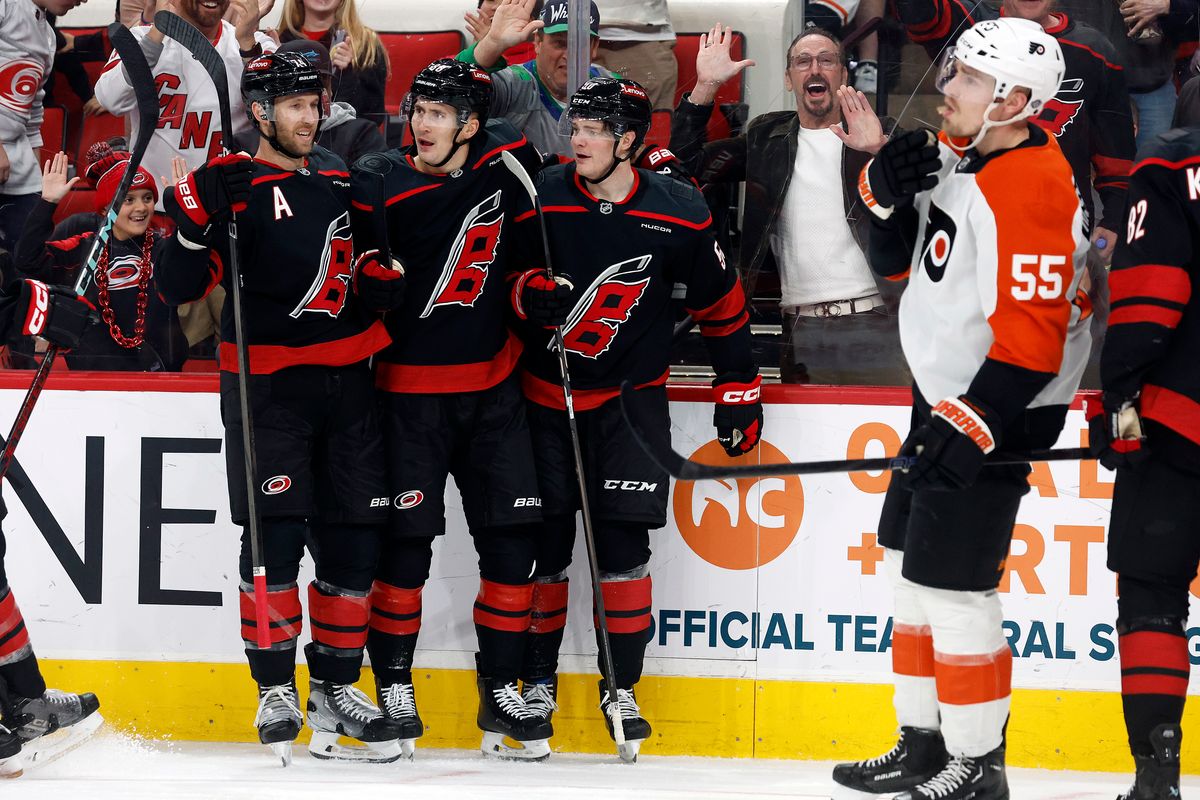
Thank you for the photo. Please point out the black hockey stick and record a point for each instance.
(146, 94)
(684, 469)
(589, 536)
(201, 49)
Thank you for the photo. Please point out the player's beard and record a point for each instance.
(295, 144)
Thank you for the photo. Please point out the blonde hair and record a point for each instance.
(366, 41)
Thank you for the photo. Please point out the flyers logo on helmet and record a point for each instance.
(473, 251)
(327, 295)
(940, 231)
(605, 306)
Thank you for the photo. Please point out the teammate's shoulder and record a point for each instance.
(673, 198)
(1170, 148)
(380, 163)
(324, 161)
(556, 177)
(499, 131)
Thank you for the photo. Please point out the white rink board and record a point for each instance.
(819, 616)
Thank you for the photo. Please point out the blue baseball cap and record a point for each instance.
(554, 17)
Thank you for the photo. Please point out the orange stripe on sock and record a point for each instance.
(967, 679)
(912, 650)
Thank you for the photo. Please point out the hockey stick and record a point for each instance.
(685, 469)
(626, 752)
(142, 80)
(201, 49)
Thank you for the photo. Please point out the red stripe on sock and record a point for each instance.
(503, 607)
(346, 613)
(1154, 684)
(1154, 649)
(283, 615)
(13, 634)
(395, 610)
(623, 597)
(549, 607)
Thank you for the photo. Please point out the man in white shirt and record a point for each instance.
(637, 42)
(802, 212)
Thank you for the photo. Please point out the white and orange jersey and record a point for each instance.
(189, 122)
(1000, 254)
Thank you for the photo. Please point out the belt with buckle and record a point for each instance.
(836, 308)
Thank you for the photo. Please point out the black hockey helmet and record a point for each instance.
(464, 86)
(276, 75)
(622, 104)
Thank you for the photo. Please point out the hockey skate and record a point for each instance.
(279, 719)
(399, 702)
(918, 756)
(50, 726)
(636, 728)
(541, 697)
(339, 709)
(965, 778)
(510, 728)
(1157, 775)
(10, 754)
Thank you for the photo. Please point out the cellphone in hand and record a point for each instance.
(339, 36)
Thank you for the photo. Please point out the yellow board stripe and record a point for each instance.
(726, 717)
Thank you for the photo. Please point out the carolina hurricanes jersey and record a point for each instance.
(189, 124)
(1090, 115)
(296, 258)
(664, 162)
(26, 56)
(1154, 327)
(452, 234)
(1000, 250)
(624, 258)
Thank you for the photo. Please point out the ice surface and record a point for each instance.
(113, 766)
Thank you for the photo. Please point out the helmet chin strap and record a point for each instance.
(453, 150)
(273, 140)
(616, 162)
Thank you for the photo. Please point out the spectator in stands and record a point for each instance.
(638, 42)
(802, 214)
(189, 123)
(360, 62)
(1187, 110)
(133, 13)
(342, 131)
(840, 18)
(69, 58)
(532, 95)
(138, 331)
(479, 22)
(1090, 116)
(1156, 28)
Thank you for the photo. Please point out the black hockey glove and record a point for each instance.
(738, 414)
(542, 301)
(380, 288)
(907, 164)
(952, 446)
(210, 192)
(1115, 435)
(54, 313)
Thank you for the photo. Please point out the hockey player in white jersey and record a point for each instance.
(987, 223)
(189, 123)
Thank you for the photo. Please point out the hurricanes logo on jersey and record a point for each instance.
(1061, 110)
(327, 295)
(940, 231)
(607, 303)
(19, 81)
(473, 251)
(124, 272)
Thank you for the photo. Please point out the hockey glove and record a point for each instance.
(54, 313)
(907, 164)
(542, 301)
(208, 193)
(951, 448)
(380, 288)
(1115, 435)
(738, 414)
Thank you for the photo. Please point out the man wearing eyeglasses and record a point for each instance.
(802, 217)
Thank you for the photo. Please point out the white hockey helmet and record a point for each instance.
(1015, 53)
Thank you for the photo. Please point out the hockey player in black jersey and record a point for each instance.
(319, 450)
(28, 710)
(624, 237)
(1148, 430)
(434, 224)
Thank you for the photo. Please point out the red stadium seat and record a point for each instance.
(95, 129)
(660, 128)
(734, 91)
(409, 53)
(54, 132)
(77, 200)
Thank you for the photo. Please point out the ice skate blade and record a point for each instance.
(53, 746)
(11, 767)
(408, 749)
(325, 745)
(282, 751)
(629, 751)
(497, 745)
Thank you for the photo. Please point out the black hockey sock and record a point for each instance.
(548, 622)
(23, 678)
(627, 612)
(272, 667)
(501, 622)
(1154, 677)
(392, 635)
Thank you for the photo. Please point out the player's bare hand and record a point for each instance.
(478, 24)
(342, 53)
(1104, 241)
(92, 107)
(5, 165)
(155, 35)
(715, 64)
(1140, 13)
(55, 183)
(245, 21)
(264, 7)
(860, 129)
(68, 42)
(511, 24)
(179, 171)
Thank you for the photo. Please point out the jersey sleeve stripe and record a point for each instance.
(391, 201)
(555, 210)
(1162, 162)
(550, 395)
(1150, 280)
(492, 153)
(696, 226)
(70, 244)
(1145, 313)
(730, 305)
(268, 178)
(334, 173)
(1176, 411)
(718, 330)
(1112, 167)
(362, 206)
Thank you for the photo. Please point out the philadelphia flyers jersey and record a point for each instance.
(1154, 327)
(624, 258)
(993, 296)
(296, 256)
(453, 235)
(1089, 116)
